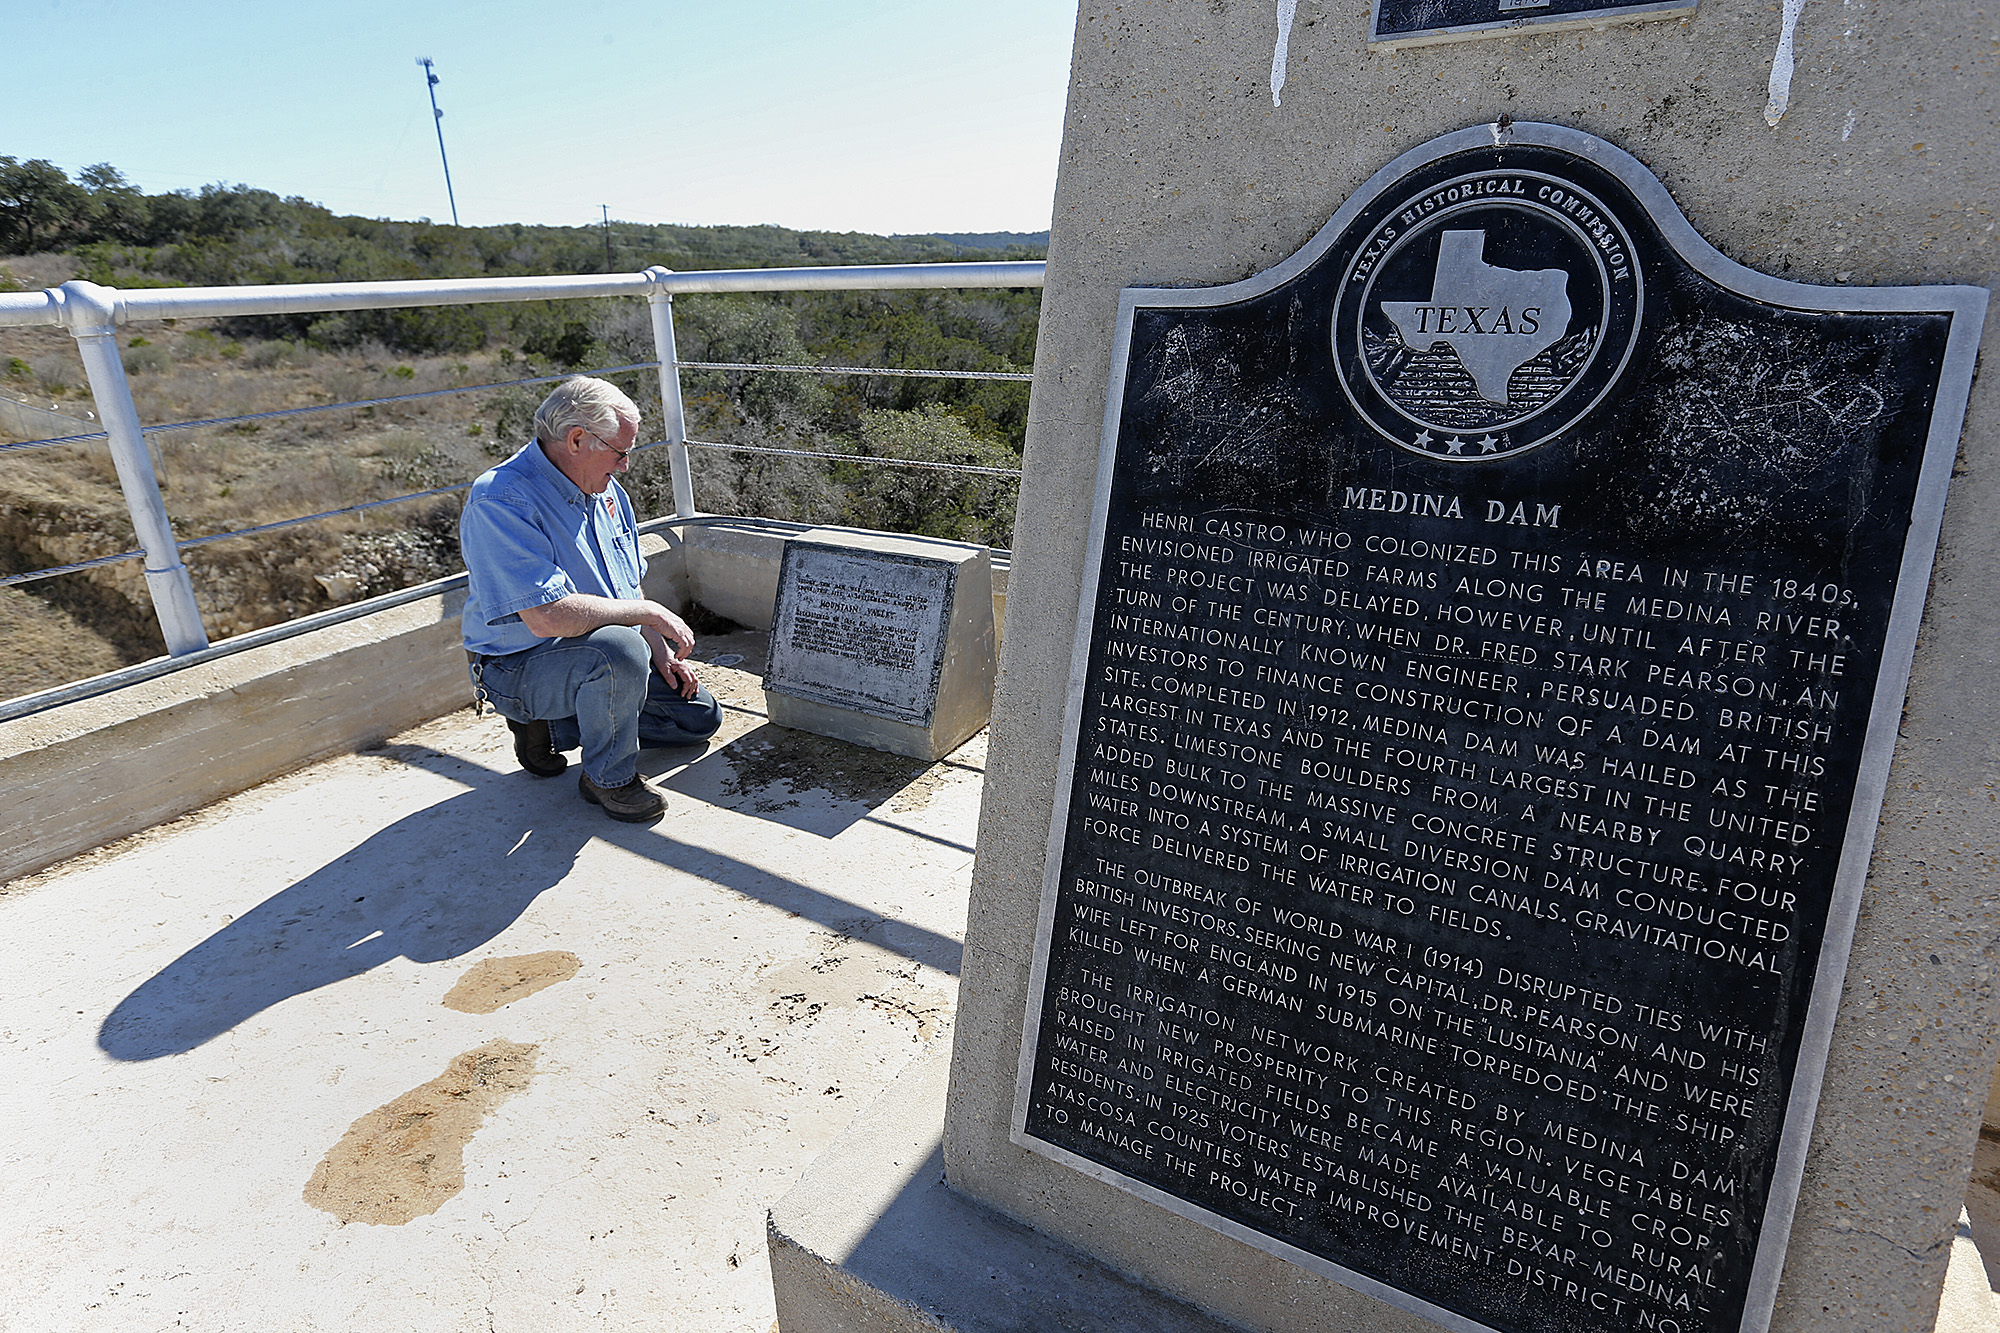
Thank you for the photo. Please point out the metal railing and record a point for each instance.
(92, 314)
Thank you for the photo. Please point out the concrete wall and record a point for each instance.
(1178, 170)
(87, 773)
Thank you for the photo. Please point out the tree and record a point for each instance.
(227, 211)
(118, 211)
(967, 507)
(39, 206)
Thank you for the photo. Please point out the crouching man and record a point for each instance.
(563, 643)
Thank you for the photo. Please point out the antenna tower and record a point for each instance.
(437, 118)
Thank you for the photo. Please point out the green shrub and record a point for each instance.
(276, 352)
(408, 459)
(144, 358)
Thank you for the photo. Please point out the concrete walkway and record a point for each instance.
(413, 1040)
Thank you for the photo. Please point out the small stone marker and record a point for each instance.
(882, 640)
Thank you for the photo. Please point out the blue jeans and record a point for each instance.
(598, 691)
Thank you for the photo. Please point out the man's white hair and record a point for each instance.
(596, 405)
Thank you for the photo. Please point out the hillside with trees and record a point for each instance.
(61, 504)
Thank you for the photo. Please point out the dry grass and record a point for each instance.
(64, 504)
(43, 646)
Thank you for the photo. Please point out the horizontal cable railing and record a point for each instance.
(25, 446)
(854, 458)
(92, 312)
(164, 427)
(53, 571)
(1021, 376)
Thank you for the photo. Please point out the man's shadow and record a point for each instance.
(437, 883)
(443, 880)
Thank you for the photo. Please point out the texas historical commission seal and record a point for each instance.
(1486, 314)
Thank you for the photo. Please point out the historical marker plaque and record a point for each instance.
(1395, 23)
(861, 629)
(1493, 637)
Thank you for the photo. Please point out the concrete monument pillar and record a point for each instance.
(1823, 148)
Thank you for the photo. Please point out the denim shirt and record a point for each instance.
(531, 537)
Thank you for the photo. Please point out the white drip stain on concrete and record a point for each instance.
(1287, 10)
(1847, 129)
(1782, 64)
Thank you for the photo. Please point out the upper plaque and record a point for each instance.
(1420, 22)
(1493, 635)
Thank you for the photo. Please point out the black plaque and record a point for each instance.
(1493, 637)
(1397, 23)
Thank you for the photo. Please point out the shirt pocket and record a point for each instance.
(624, 555)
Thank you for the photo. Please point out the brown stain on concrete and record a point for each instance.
(404, 1159)
(494, 982)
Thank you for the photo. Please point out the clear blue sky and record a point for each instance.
(845, 115)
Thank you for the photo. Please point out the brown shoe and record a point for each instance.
(635, 802)
(532, 748)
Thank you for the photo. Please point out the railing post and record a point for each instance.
(90, 313)
(674, 420)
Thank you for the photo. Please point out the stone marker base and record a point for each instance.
(877, 733)
(940, 597)
(872, 1238)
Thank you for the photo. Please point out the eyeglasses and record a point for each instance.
(622, 453)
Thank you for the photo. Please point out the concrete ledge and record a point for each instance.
(872, 1238)
(86, 773)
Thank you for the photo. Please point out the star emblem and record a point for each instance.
(1488, 445)
(1454, 445)
(1423, 440)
